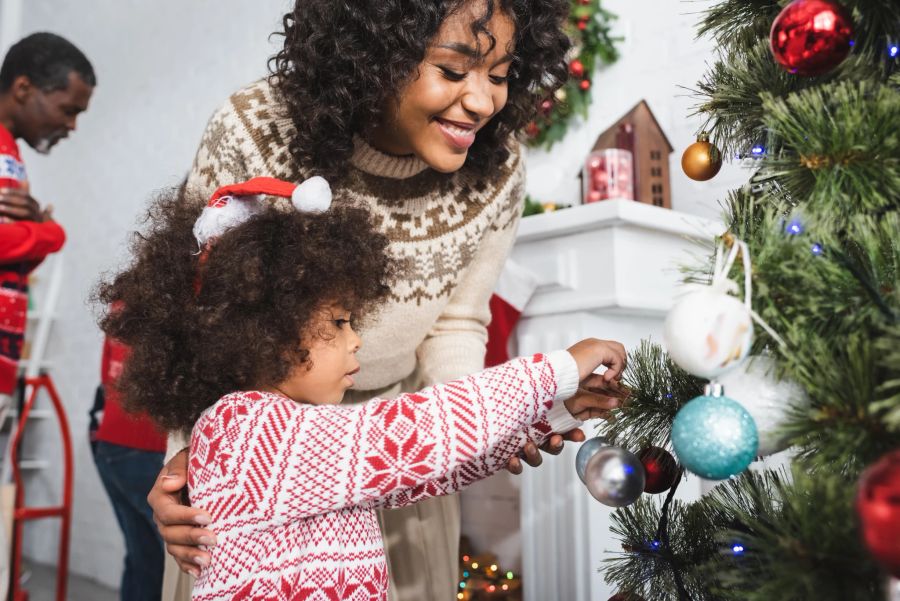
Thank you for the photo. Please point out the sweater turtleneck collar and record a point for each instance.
(374, 162)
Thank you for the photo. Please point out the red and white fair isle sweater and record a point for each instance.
(293, 488)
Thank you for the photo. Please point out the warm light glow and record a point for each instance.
(465, 558)
(474, 565)
(492, 588)
(494, 567)
(505, 587)
(460, 596)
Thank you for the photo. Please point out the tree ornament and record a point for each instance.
(560, 95)
(582, 24)
(878, 506)
(701, 160)
(811, 37)
(753, 384)
(614, 476)
(660, 469)
(532, 129)
(588, 449)
(576, 68)
(585, 85)
(714, 437)
(708, 331)
(547, 107)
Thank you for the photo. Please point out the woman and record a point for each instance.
(411, 107)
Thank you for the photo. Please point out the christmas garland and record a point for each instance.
(588, 26)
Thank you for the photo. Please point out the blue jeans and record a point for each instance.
(128, 475)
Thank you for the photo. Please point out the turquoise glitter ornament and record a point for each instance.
(714, 436)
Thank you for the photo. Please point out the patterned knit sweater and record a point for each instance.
(293, 488)
(450, 233)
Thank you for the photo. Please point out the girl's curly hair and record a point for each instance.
(261, 288)
(343, 60)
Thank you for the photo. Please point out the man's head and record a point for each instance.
(45, 83)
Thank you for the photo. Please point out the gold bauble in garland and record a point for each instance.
(701, 160)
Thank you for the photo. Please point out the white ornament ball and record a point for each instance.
(708, 333)
(765, 398)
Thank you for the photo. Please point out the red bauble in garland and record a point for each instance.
(532, 129)
(585, 85)
(582, 24)
(811, 37)
(547, 107)
(661, 469)
(576, 68)
(878, 506)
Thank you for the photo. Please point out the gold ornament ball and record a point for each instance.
(701, 160)
(561, 95)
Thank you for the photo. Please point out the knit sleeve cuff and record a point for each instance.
(566, 370)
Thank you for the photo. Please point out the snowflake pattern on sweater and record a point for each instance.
(292, 487)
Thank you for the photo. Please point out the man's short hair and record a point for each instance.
(47, 60)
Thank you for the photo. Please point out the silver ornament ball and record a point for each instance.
(588, 449)
(614, 476)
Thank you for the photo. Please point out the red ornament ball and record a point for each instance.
(582, 25)
(532, 129)
(878, 506)
(660, 468)
(547, 107)
(585, 85)
(811, 37)
(585, 2)
(576, 68)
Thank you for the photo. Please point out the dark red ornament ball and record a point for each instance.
(626, 597)
(585, 85)
(878, 506)
(582, 25)
(532, 129)
(661, 469)
(811, 37)
(547, 106)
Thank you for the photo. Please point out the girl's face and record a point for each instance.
(332, 362)
(437, 115)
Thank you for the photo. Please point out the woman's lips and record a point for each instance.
(460, 136)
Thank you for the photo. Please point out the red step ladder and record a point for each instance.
(21, 513)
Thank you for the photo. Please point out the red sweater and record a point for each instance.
(118, 427)
(23, 245)
(293, 488)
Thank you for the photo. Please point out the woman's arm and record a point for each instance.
(29, 240)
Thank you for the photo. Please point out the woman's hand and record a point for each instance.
(177, 522)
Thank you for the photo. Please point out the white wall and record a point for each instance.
(163, 66)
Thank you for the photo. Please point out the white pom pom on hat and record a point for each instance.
(234, 204)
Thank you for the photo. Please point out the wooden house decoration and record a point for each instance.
(639, 131)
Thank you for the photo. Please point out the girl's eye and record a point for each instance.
(340, 323)
(452, 75)
(497, 80)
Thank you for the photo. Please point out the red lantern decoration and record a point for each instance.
(878, 506)
(660, 468)
(811, 37)
(585, 85)
(576, 68)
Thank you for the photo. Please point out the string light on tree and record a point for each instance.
(701, 161)
(811, 37)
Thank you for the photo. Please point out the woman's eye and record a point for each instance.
(452, 75)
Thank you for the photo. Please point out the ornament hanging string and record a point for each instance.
(723, 284)
(662, 533)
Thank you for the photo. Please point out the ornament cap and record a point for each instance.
(703, 136)
(714, 389)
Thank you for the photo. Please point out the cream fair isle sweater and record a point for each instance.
(451, 234)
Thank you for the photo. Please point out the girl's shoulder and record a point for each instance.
(238, 404)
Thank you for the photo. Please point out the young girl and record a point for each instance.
(250, 346)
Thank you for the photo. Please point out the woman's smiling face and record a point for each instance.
(460, 86)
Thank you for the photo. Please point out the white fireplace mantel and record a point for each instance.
(606, 270)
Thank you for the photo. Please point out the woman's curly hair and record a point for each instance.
(343, 60)
(261, 288)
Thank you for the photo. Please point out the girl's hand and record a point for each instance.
(591, 353)
(597, 393)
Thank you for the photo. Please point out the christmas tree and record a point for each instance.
(807, 95)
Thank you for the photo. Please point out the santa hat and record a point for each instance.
(234, 204)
